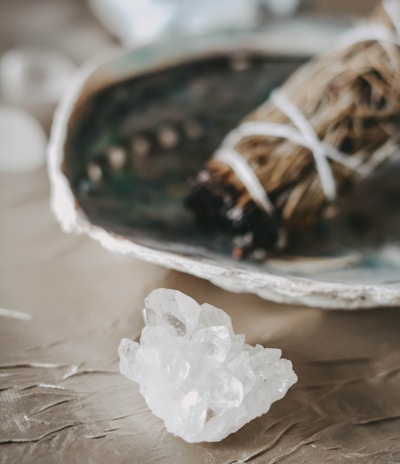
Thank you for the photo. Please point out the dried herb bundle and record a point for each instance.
(351, 99)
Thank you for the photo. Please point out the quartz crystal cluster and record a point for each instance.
(204, 381)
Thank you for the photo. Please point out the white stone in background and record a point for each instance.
(204, 381)
(140, 21)
(29, 76)
(281, 7)
(22, 141)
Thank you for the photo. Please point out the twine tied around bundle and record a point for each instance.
(236, 149)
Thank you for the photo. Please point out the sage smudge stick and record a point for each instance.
(295, 159)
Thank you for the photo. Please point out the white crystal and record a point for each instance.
(172, 309)
(204, 381)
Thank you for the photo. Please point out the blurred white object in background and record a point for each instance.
(141, 21)
(22, 141)
(29, 76)
(281, 7)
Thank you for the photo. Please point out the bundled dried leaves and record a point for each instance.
(351, 98)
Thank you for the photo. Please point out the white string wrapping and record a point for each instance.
(304, 134)
(376, 32)
(247, 176)
(392, 8)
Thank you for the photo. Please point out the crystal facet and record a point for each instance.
(204, 381)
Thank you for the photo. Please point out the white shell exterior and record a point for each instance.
(112, 67)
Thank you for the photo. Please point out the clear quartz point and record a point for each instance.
(211, 316)
(204, 381)
(173, 309)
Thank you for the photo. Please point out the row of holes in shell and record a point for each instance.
(167, 137)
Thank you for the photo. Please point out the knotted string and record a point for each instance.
(304, 135)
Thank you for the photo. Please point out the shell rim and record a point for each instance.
(277, 288)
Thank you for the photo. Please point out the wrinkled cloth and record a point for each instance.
(62, 398)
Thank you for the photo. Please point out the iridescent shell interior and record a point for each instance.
(136, 143)
(138, 135)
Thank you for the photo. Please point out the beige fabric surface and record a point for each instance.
(62, 399)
